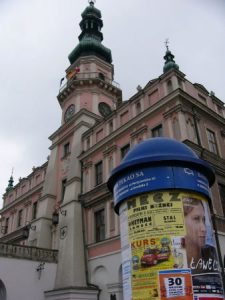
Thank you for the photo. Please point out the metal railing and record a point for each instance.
(88, 76)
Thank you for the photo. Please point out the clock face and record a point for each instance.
(104, 109)
(69, 112)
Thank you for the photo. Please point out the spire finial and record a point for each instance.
(169, 59)
(91, 2)
(167, 43)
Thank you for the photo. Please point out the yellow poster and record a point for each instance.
(148, 257)
(155, 214)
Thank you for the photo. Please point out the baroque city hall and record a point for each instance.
(58, 225)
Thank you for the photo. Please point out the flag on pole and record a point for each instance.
(61, 80)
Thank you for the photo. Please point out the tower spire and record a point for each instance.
(169, 59)
(10, 184)
(90, 38)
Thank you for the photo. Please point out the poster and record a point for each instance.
(169, 231)
(155, 214)
(202, 257)
(175, 284)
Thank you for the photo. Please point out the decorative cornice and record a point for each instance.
(87, 165)
(98, 194)
(109, 149)
(138, 131)
(21, 198)
(78, 81)
(47, 196)
(175, 109)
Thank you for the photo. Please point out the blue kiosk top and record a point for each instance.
(160, 163)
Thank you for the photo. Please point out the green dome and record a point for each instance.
(90, 46)
(169, 62)
(10, 184)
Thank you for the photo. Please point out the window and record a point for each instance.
(180, 83)
(88, 142)
(110, 163)
(110, 126)
(169, 86)
(212, 141)
(112, 217)
(99, 135)
(124, 117)
(38, 178)
(34, 210)
(191, 130)
(138, 108)
(23, 188)
(19, 220)
(153, 97)
(63, 189)
(66, 149)
(157, 131)
(222, 196)
(203, 99)
(101, 76)
(176, 128)
(98, 173)
(100, 225)
(6, 226)
(124, 150)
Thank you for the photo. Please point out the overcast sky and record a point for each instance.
(37, 36)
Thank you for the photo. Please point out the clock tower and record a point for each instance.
(89, 95)
(90, 77)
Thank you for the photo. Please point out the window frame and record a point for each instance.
(124, 150)
(212, 142)
(138, 107)
(157, 129)
(99, 225)
(63, 189)
(99, 173)
(221, 188)
(66, 149)
(6, 229)
(34, 210)
(19, 218)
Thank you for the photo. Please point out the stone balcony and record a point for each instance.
(27, 252)
(81, 79)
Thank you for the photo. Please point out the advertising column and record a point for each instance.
(161, 192)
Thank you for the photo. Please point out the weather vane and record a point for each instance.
(91, 2)
(167, 43)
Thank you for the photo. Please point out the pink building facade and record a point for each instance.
(65, 204)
